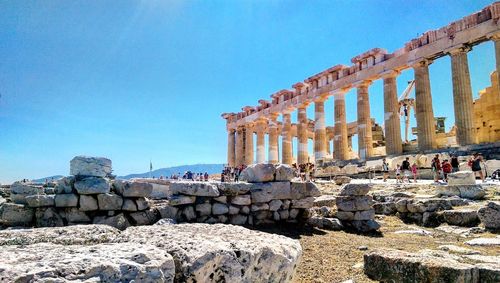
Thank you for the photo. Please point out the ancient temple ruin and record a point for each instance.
(475, 122)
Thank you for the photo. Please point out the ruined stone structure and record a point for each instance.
(487, 112)
(454, 40)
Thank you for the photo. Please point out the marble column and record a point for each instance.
(496, 40)
(319, 129)
(462, 97)
(239, 151)
(340, 141)
(249, 153)
(286, 140)
(393, 142)
(273, 140)
(302, 123)
(365, 141)
(423, 107)
(261, 146)
(231, 147)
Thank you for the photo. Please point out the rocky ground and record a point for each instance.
(337, 256)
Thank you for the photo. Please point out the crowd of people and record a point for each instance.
(303, 171)
(441, 169)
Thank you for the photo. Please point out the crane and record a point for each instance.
(405, 105)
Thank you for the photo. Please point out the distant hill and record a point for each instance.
(42, 180)
(167, 172)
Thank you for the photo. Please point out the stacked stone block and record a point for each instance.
(355, 208)
(267, 196)
(90, 195)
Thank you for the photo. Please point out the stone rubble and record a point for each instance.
(355, 208)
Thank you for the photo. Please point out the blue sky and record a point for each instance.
(134, 80)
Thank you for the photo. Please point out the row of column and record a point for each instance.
(240, 147)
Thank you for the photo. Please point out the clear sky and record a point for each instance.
(134, 80)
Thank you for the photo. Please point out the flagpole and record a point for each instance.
(150, 168)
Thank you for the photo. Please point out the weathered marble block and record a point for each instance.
(90, 166)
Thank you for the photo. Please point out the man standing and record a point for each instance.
(454, 164)
(436, 168)
(405, 166)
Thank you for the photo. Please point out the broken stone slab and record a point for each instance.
(40, 200)
(166, 221)
(265, 192)
(48, 217)
(462, 178)
(142, 203)
(73, 215)
(194, 189)
(66, 200)
(473, 192)
(458, 250)
(88, 203)
(90, 166)
(341, 180)
(128, 205)
(241, 200)
(16, 215)
(363, 226)
(300, 190)
(19, 191)
(65, 185)
(204, 209)
(399, 266)
(92, 186)
(284, 173)
(461, 231)
(419, 232)
(325, 200)
(222, 252)
(484, 242)
(147, 217)
(133, 189)
(385, 208)
(234, 189)
(121, 262)
(109, 201)
(303, 203)
(355, 190)
(274, 205)
(325, 223)
(354, 203)
(364, 215)
(118, 221)
(238, 219)
(181, 200)
(490, 215)
(463, 217)
(258, 173)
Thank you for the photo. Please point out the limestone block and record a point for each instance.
(473, 192)
(400, 266)
(119, 221)
(484, 242)
(160, 191)
(286, 204)
(293, 213)
(365, 225)
(233, 189)
(181, 200)
(241, 200)
(238, 219)
(325, 223)
(66, 200)
(109, 201)
(276, 216)
(431, 219)
(258, 173)
(245, 209)
(221, 199)
(401, 205)
(233, 210)
(259, 207)
(73, 215)
(325, 200)
(122, 262)
(364, 215)
(167, 211)
(133, 189)
(194, 189)
(88, 203)
(48, 217)
(385, 208)
(25, 189)
(166, 221)
(354, 203)
(204, 209)
(350, 169)
(462, 178)
(341, 180)
(464, 217)
(189, 213)
(262, 214)
(142, 203)
(303, 203)
(222, 219)
(40, 200)
(90, 166)
(219, 208)
(284, 173)
(265, 192)
(146, 217)
(300, 190)
(345, 215)
(65, 185)
(128, 204)
(274, 205)
(92, 186)
(2, 201)
(16, 215)
(284, 214)
(214, 252)
(355, 189)
(490, 215)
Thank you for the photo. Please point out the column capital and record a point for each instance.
(494, 36)
(321, 98)
(365, 83)
(390, 74)
(422, 63)
(458, 50)
(249, 125)
(273, 116)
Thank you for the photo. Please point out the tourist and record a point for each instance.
(385, 169)
(405, 166)
(206, 176)
(222, 177)
(454, 164)
(475, 164)
(414, 171)
(436, 168)
(447, 168)
(398, 174)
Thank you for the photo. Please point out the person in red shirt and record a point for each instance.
(447, 168)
